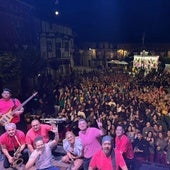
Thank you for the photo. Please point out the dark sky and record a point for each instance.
(111, 20)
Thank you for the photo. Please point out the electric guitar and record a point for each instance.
(7, 117)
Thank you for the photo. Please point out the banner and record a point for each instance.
(145, 62)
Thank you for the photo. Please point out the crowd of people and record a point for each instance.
(111, 119)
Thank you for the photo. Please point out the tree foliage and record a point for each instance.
(9, 67)
(31, 63)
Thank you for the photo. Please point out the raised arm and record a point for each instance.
(56, 137)
(100, 126)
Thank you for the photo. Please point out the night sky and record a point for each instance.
(119, 21)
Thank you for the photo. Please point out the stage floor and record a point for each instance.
(56, 163)
(62, 166)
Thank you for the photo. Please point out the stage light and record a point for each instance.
(56, 13)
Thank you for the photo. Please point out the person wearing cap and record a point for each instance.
(89, 137)
(106, 158)
(8, 104)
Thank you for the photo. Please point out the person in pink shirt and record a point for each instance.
(106, 158)
(37, 129)
(8, 104)
(11, 141)
(124, 147)
(89, 138)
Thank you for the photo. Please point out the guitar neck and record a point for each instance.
(24, 103)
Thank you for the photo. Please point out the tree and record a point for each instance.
(10, 68)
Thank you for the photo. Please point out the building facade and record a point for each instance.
(39, 47)
(57, 47)
(18, 39)
(98, 54)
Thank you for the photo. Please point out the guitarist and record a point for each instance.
(8, 104)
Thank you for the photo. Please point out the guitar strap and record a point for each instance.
(13, 99)
(16, 138)
(113, 159)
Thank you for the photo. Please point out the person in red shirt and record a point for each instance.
(124, 147)
(106, 158)
(37, 129)
(11, 141)
(8, 104)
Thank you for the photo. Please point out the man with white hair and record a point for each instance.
(13, 141)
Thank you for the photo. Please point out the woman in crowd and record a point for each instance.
(150, 138)
(160, 147)
(130, 133)
(167, 152)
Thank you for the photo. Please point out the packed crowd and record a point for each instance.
(120, 104)
(35, 147)
(142, 107)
